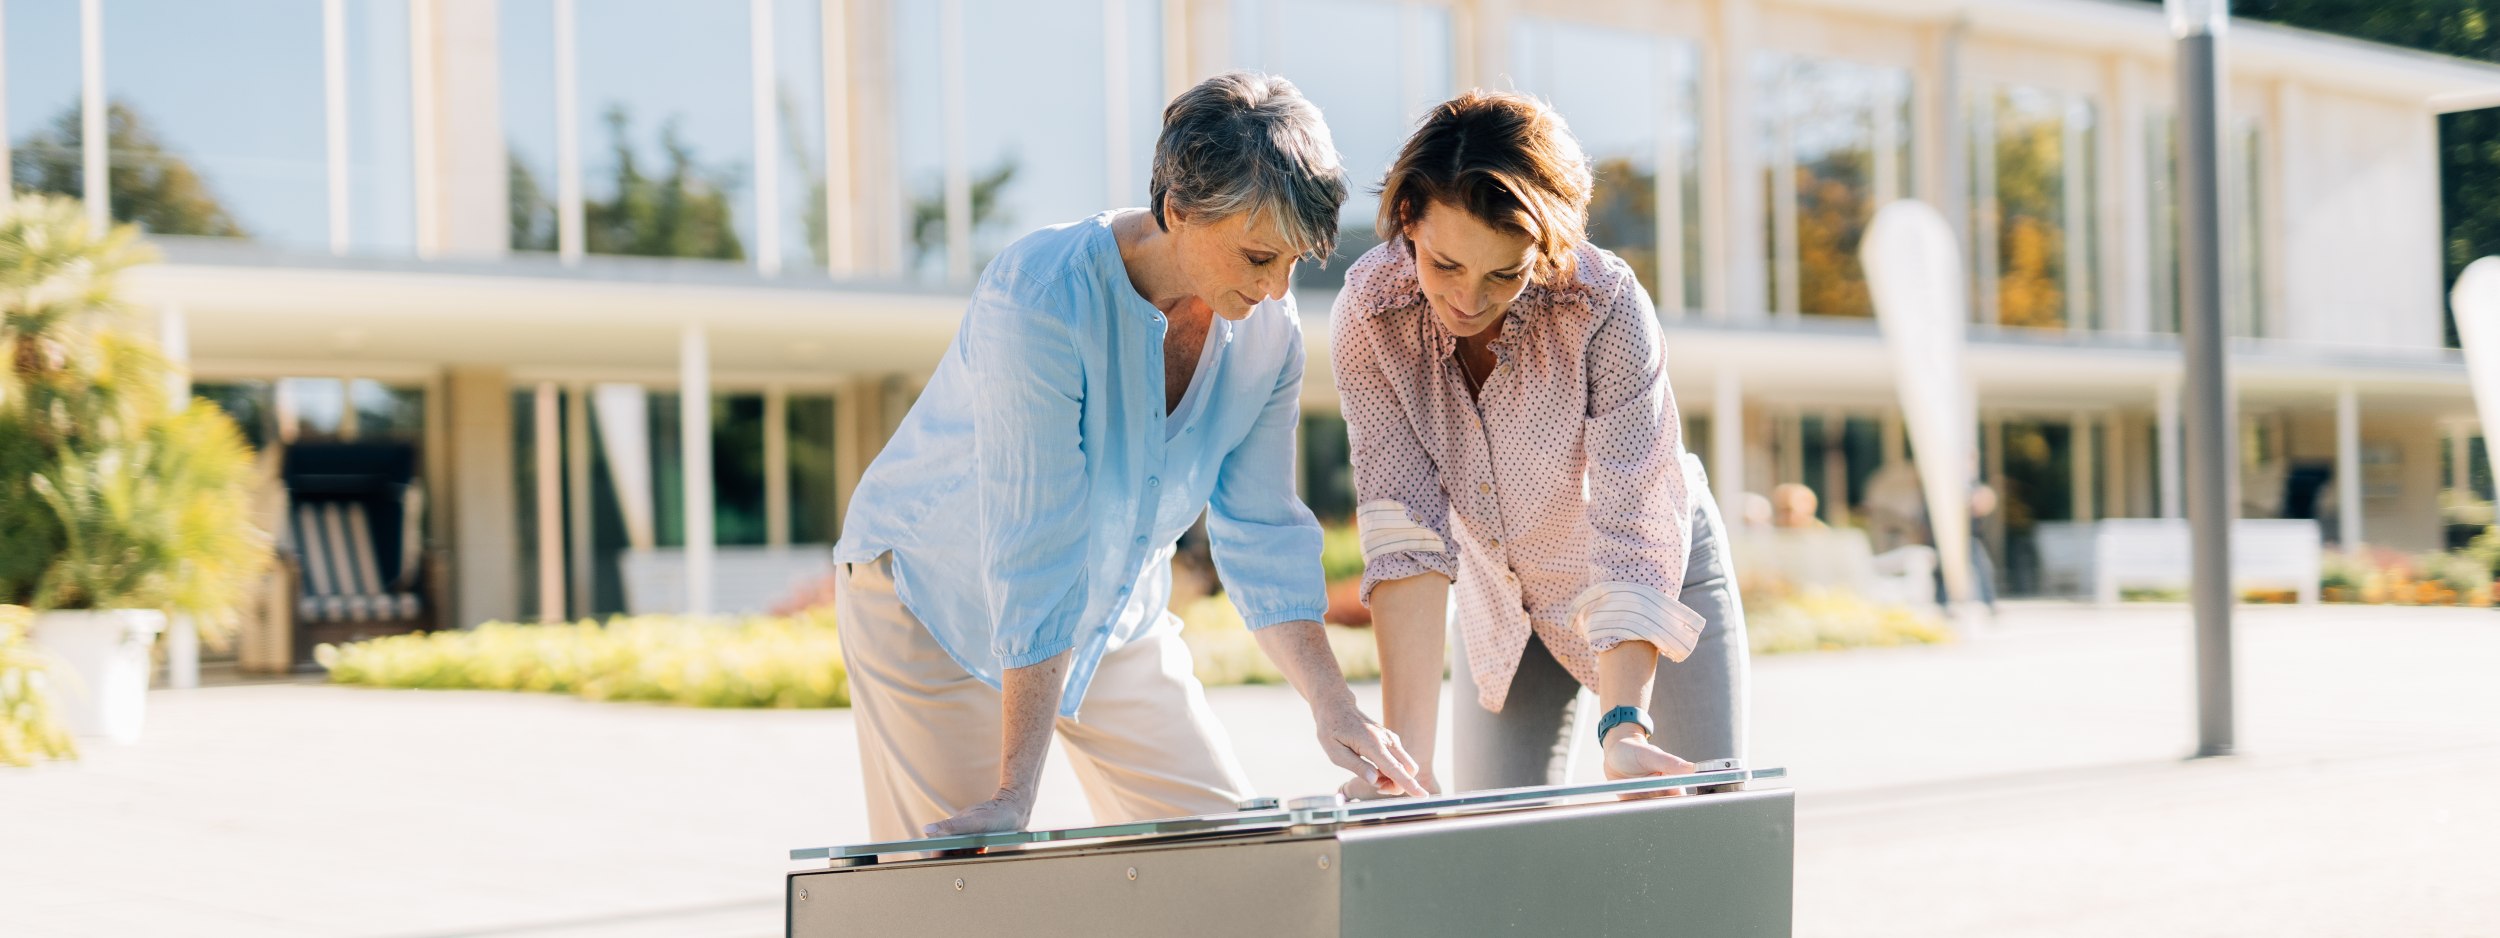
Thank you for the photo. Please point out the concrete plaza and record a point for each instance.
(2027, 781)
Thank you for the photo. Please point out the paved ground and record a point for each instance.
(2026, 782)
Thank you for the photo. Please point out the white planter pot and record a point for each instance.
(100, 673)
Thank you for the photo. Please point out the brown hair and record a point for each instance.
(1507, 159)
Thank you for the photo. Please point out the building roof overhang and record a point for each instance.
(2253, 49)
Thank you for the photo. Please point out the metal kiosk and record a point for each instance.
(1587, 860)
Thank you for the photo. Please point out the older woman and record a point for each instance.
(1514, 439)
(1007, 557)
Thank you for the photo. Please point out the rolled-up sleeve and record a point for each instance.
(1638, 506)
(1401, 512)
(1265, 541)
(1032, 486)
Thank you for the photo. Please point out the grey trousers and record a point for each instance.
(1699, 703)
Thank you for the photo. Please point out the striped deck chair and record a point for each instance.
(342, 580)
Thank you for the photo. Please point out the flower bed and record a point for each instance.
(2437, 578)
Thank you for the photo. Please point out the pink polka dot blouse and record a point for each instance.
(1556, 501)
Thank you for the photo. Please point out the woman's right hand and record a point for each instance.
(1359, 789)
(1630, 754)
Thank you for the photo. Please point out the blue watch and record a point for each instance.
(1622, 715)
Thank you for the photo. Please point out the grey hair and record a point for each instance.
(1250, 142)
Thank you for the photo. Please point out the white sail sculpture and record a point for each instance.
(1914, 269)
(2476, 300)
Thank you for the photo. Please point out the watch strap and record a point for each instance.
(1622, 715)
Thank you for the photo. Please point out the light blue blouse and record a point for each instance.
(1031, 498)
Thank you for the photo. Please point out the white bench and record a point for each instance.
(2098, 558)
(745, 580)
(1836, 559)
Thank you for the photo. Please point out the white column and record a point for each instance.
(1789, 428)
(577, 489)
(1786, 276)
(571, 233)
(425, 127)
(2166, 450)
(2076, 162)
(2127, 231)
(2461, 458)
(351, 423)
(2348, 467)
(94, 138)
(1887, 138)
(1984, 211)
(1115, 87)
(173, 341)
(2113, 465)
(777, 466)
(765, 94)
(6, 170)
(1732, 190)
(2083, 476)
(1994, 467)
(546, 444)
(1727, 441)
(952, 117)
(694, 421)
(1941, 152)
(840, 249)
(1836, 495)
(1667, 191)
(182, 634)
(334, 115)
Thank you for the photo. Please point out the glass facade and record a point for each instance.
(1836, 145)
(202, 147)
(218, 118)
(669, 165)
(1373, 68)
(668, 152)
(920, 138)
(43, 65)
(1032, 166)
(2244, 228)
(1629, 98)
(740, 469)
(798, 82)
(2033, 173)
(526, 38)
(1020, 167)
(2162, 192)
(381, 130)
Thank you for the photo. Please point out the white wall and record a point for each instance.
(2360, 220)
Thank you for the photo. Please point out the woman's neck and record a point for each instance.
(1153, 270)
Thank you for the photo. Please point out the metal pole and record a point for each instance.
(2211, 502)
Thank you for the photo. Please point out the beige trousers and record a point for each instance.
(1148, 746)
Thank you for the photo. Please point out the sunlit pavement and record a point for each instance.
(2027, 781)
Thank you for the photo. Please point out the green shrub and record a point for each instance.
(30, 730)
(791, 662)
(1341, 553)
(764, 661)
(1224, 652)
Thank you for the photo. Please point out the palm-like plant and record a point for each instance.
(111, 497)
(30, 730)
